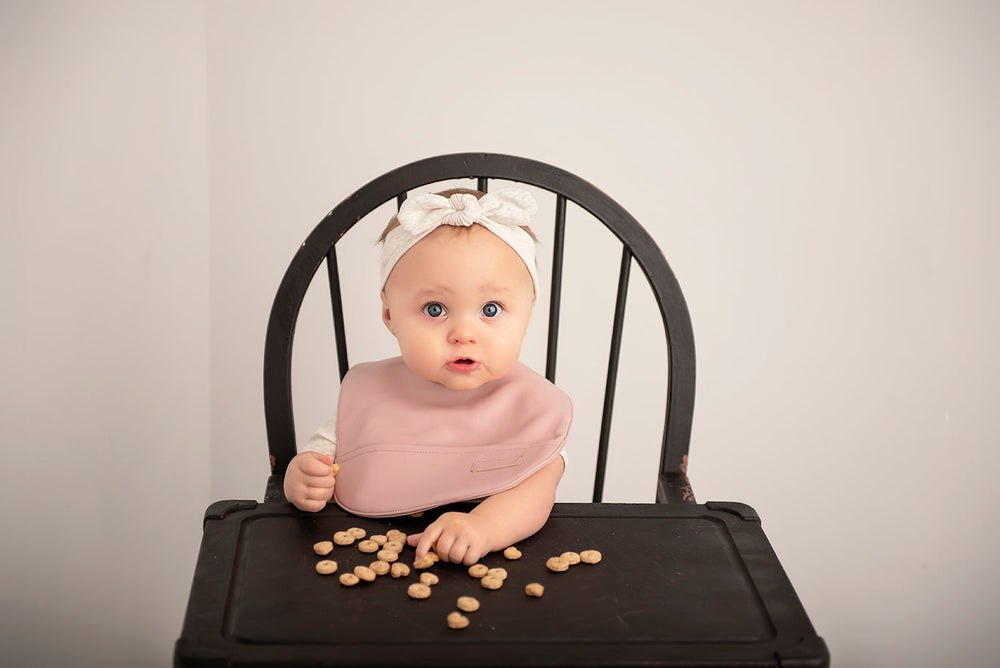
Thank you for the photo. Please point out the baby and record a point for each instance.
(456, 417)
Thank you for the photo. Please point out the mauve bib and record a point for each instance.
(406, 444)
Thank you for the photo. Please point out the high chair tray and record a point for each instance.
(677, 585)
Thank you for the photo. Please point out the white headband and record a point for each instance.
(502, 213)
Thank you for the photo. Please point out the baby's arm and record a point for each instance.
(498, 522)
(308, 480)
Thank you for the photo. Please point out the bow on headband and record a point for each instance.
(503, 214)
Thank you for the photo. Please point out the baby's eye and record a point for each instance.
(491, 309)
(434, 310)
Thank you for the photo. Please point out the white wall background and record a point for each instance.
(822, 177)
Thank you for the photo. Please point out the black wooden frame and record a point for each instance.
(637, 245)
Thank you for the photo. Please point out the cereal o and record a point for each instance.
(467, 604)
(393, 546)
(478, 571)
(399, 570)
(421, 564)
(326, 567)
(349, 579)
(499, 572)
(428, 579)
(387, 556)
(379, 567)
(418, 590)
(379, 539)
(368, 546)
(557, 564)
(357, 532)
(512, 553)
(491, 582)
(343, 538)
(395, 535)
(456, 620)
(534, 589)
(323, 548)
(572, 558)
(590, 556)
(364, 573)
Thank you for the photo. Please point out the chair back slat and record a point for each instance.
(337, 306)
(609, 388)
(482, 184)
(555, 292)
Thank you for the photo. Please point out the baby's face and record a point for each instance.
(459, 303)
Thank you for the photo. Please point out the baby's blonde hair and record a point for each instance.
(394, 222)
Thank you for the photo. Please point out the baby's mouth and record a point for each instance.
(464, 360)
(463, 364)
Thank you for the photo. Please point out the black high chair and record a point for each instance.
(679, 584)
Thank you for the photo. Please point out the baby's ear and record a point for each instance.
(386, 316)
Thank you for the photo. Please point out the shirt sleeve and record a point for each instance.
(324, 440)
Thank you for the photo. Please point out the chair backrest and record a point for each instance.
(637, 246)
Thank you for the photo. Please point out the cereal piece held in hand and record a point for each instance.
(334, 468)
(456, 620)
(499, 572)
(364, 573)
(323, 548)
(572, 558)
(399, 570)
(428, 579)
(379, 567)
(349, 579)
(590, 556)
(379, 539)
(534, 589)
(343, 538)
(512, 553)
(396, 535)
(418, 590)
(368, 546)
(467, 604)
(478, 571)
(557, 564)
(387, 556)
(421, 564)
(491, 582)
(434, 556)
(357, 532)
(326, 567)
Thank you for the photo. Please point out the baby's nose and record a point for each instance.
(463, 331)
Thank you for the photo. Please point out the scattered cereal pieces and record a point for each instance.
(368, 546)
(364, 573)
(326, 567)
(421, 564)
(323, 548)
(399, 570)
(557, 564)
(387, 556)
(572, 558)
(478, 571)
(379, 567)
(590, 556)
(534, 589)
(499, 572)
(418, 590)
(379, 539)
(429, 579)
(467, 604)
(357, 532)
(343, 538)
(512, 553)
(396, 535)
(419, 513)
(349, 579)
(434, 556)
(491, 582)
(456, 620)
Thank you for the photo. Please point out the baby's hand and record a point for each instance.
(309, 481)
(457, 537)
